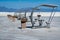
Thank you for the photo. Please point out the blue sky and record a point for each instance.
(17, 4)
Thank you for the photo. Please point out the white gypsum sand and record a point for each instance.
(9, 31)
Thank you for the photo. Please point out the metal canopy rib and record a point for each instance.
(48, 5)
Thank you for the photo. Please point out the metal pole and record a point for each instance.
(32, 19)
(25, 13)
(48, 23)
(50, 15)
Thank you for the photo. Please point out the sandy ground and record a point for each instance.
(9, 31)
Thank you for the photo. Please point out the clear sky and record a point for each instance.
(17, 4)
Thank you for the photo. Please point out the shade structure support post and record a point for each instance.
(31, 17)
(25, 13)
(50, 18)
(48, 23)
(51, 15)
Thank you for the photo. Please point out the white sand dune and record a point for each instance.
(9, 31)
(28, 13)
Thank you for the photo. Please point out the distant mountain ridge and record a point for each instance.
(4, 9)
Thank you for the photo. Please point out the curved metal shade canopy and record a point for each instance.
(48, 5)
